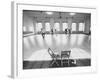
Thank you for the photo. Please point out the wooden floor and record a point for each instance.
(47, 64)
(35, 47)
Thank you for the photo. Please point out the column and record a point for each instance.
(77, 26)
(70, 22)
(34, 25)
(52, 23)
(43, 25)
(61, 26)
(87, 25)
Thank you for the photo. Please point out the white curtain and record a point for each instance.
(38, 27)
(73, 26)
(47, 26)
(57, 26)
(81, 26)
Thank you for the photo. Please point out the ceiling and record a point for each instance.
(42, 14)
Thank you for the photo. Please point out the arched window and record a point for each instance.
(47, 26)
(38, 26)
(81, 26)
(65, 25)
(31, 29)
(57, 26)
(73, 26)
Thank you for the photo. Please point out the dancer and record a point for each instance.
(52, 31)
(43, 33)
(69, 31)
(66, 31)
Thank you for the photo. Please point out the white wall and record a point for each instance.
(87, 25)
(5, 38)
(31, 22)
(27, 22)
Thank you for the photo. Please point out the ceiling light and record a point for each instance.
(72, 14)
(49, 13)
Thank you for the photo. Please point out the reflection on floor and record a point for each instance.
(35, 54)
(46, 64)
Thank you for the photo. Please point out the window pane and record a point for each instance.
(81, 26)
(31, 29)
(24, 29)
(47, 26)
(57, 26)
(65, 25)
(73, 26)
(38, 27)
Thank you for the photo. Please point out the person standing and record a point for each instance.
(52, 31)
(69, 31)
(66, 31)
(43, 33)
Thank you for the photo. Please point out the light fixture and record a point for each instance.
(49, 13)
(72, 14)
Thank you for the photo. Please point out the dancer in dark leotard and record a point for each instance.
(43, 33)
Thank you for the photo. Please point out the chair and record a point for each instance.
(65, 57)
(53, 56)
